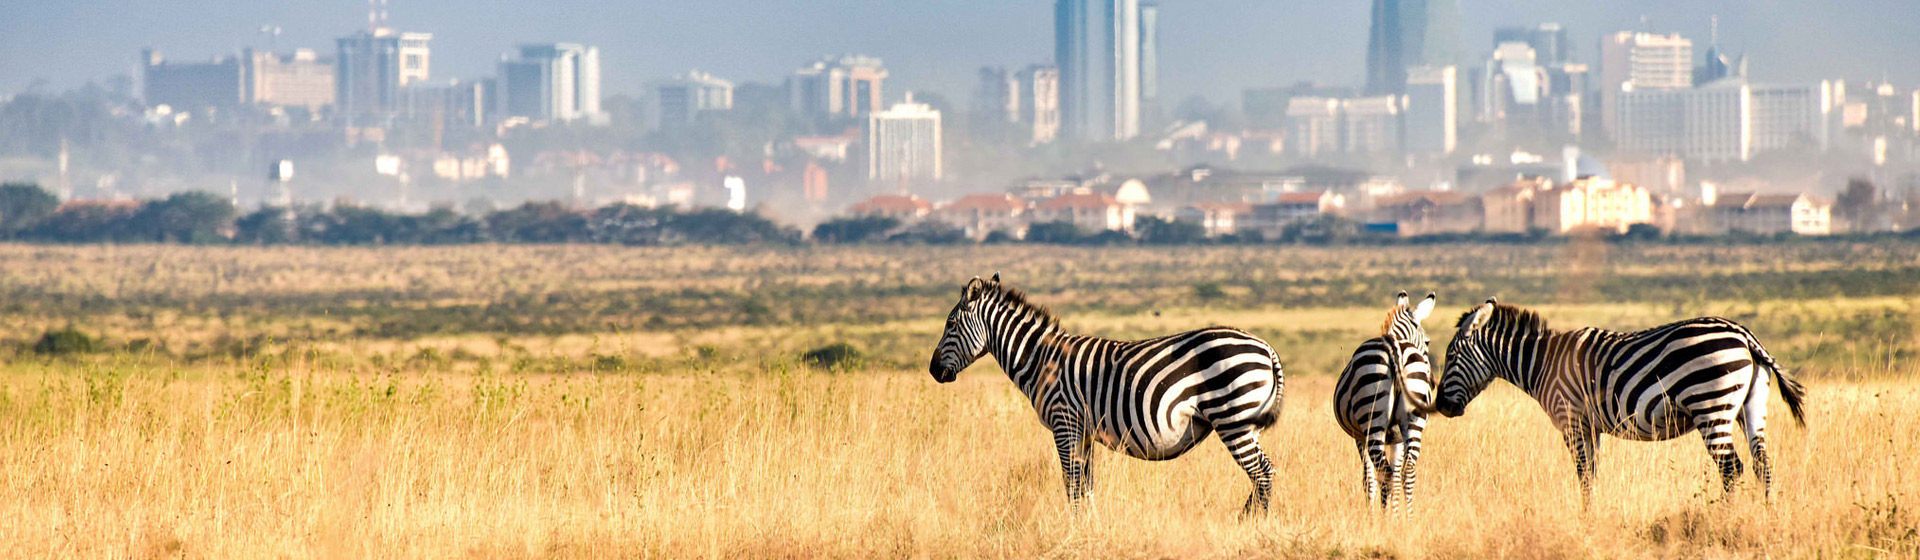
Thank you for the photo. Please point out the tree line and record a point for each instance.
(31, 214)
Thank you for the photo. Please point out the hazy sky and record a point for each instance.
(1209, 47)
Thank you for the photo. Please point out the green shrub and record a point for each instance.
(65, 341)
(838, 355)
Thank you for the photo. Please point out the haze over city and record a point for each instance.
(1211, 47)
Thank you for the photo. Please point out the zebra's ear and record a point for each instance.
(1481, 315)
(1425, 308)
(972, 287)
(1400, 299)
(996, 277)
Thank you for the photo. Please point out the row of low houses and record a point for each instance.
(1524, 206)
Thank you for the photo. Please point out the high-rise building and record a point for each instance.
(997, 97)
(371, 68)
(1728, 120)
(1432, 113)
(1039, 89)
(1364, 125)
(302, 79)
(1097, 48)
(677, 101)
(903, 143)
(1149, 51)
(1646, 61)
(552, 82)
(1548, 40)
(837, 87)
(1408, 33)
(192, 86)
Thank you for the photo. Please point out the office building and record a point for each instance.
(192, 86)
(301, 79)
(1363, 125)
(1039, 88)
(552, 82)
(1644, 60)
(372, 66)
(996, 99)
(1432, 112)
(1149, 52)
(1728, 120)
(842, 87)
(1097, 49)
(903, 143)
(678, 101)
(1409, 33)
(1548, 41)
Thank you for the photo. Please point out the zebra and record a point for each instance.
(1701, 374)
(1383, 397)
(1151, 399)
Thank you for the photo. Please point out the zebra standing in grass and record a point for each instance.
(1383, 397)
(1152, 399)
(1698, 375)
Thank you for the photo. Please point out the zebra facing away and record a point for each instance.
(1151, 399)
(1382, 400)
(1699, 375)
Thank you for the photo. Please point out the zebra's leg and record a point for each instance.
(1717, 430)
(1583, 443)
(1753, 419)
(1073, 462)
(1381, 467)
(1408, 477)
(1372, 482)
(1395, 453)
(1243, 441)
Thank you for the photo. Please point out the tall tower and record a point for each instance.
(1409, 33)
(1097, 48)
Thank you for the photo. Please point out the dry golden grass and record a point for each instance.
(288, 461)
(262, 403)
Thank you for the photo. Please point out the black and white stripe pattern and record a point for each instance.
(1382, 400)
(1698, 375)
(1152, 399)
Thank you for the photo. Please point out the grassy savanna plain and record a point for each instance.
(578, 401)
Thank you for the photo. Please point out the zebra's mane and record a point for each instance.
(1017, 299)
(1520, 319)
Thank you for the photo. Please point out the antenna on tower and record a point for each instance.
(376, 15)
(1713, 32)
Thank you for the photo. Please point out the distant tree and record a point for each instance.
(85, 223)
(270, 225)
(1642, 232)
(1857, 205)
(189, 217)
(443, 226)
(1162, 231)
(1059, 233)
(931, 233)
(726, 227)
(23, 206)
(627, 224)
(537, 222)
(855, 229)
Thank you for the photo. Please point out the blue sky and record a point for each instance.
(1209, 47)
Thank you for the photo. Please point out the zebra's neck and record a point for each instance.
(1529, 357)
(1022, 339)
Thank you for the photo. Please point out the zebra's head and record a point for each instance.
(1470, 361)
(965, 337)
(1403, 328)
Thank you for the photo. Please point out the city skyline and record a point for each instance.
(1211, 48)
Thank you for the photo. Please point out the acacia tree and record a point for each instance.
(22, 206)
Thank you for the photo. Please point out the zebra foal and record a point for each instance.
(1150, 399)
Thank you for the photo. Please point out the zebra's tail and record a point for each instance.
(1791, 390)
